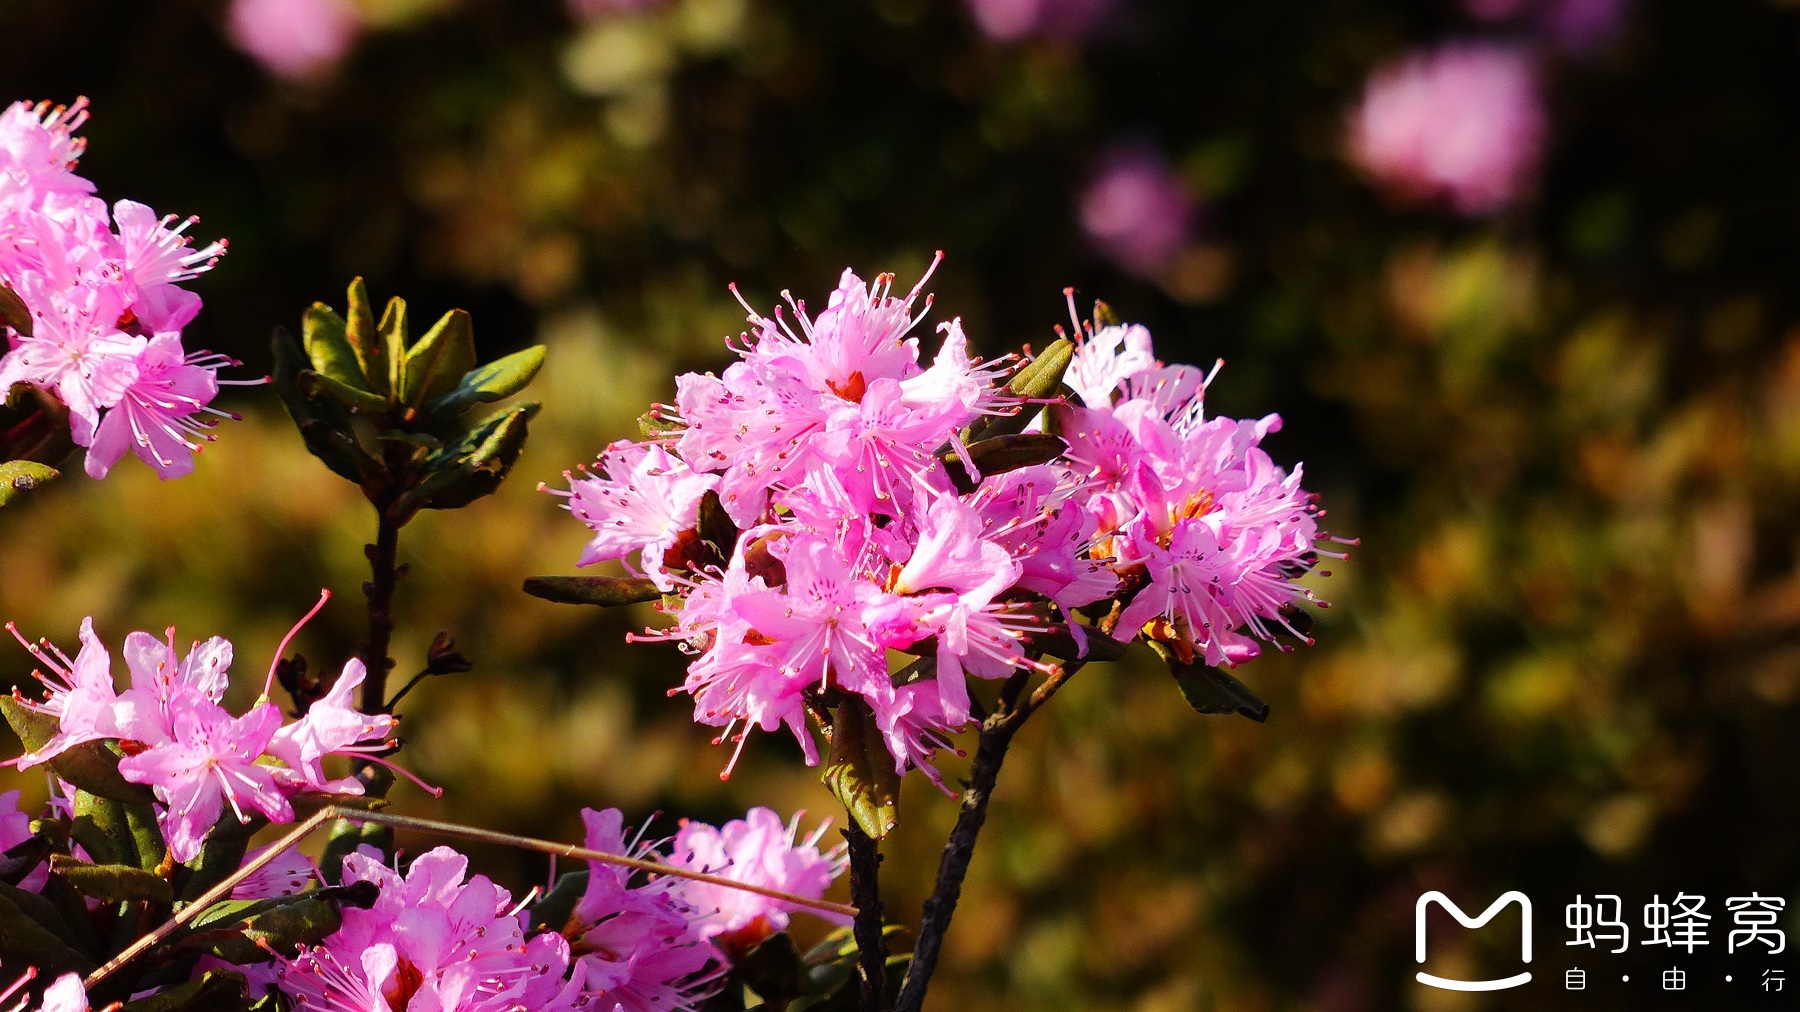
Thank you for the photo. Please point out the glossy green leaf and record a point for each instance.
(113, 883)
(360, 331)
(860, 772)
(1210, 690)
(1037, 379)
(472, 467)
(394, 334)
(552, 913)
(101, 829)
(323, 424)
(485, 384)
(237, 931)
(25, 941)
(772, 969)
(322, 332)
(20, 476)
(92, 766)
(604, 591)
(1000, 454)
(436, 364)
(317, 384)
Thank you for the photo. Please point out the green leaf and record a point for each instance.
(860, 772)
(146, 836)
(773, 970)
(213, 991)
(485, 384)
(605, 591)
(316, 384)
(1037, 379)
(1000, 454)
(20, 476)
(435, 365)
(322, 331)
(100, 827)
(237, 931)
(44, 912)
(113, 883)
(552, 913)
(92, 766)
(395, 335)
(323, 424)
(359, 330)
(26, 942)
(1209, 690)
(471, 468)
(715, 525)
(25, 855)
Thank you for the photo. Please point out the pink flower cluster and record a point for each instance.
(1206, 531)
(437, 940)
(103, 290)
(865, 528)
(1464, 123)
(197, 757)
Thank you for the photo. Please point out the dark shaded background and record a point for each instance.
(1565, 659)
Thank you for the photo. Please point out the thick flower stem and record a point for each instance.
(990, 753)
(865, 894)
(384, 567)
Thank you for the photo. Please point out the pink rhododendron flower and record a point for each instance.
(434, 940)
(639, 502)
(80, 694)
(15, 826)
(634, 943)
(289, 874)
(1137, 212)
(197, 758)
(1464, 123)
(211, 762)
(760, 850)
(294, 38)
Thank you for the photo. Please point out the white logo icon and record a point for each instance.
(1466, 921)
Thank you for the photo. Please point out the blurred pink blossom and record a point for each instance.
(1137, 211)
(1575, 25)
(1463, 123)
(294, 38)
(1011, 20)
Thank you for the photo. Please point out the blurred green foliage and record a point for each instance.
(1565, 659)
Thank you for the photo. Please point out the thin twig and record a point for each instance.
(990, 753)
(408, 687)
(865, 892)
(330, 812)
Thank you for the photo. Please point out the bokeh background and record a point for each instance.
(1564, 418)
